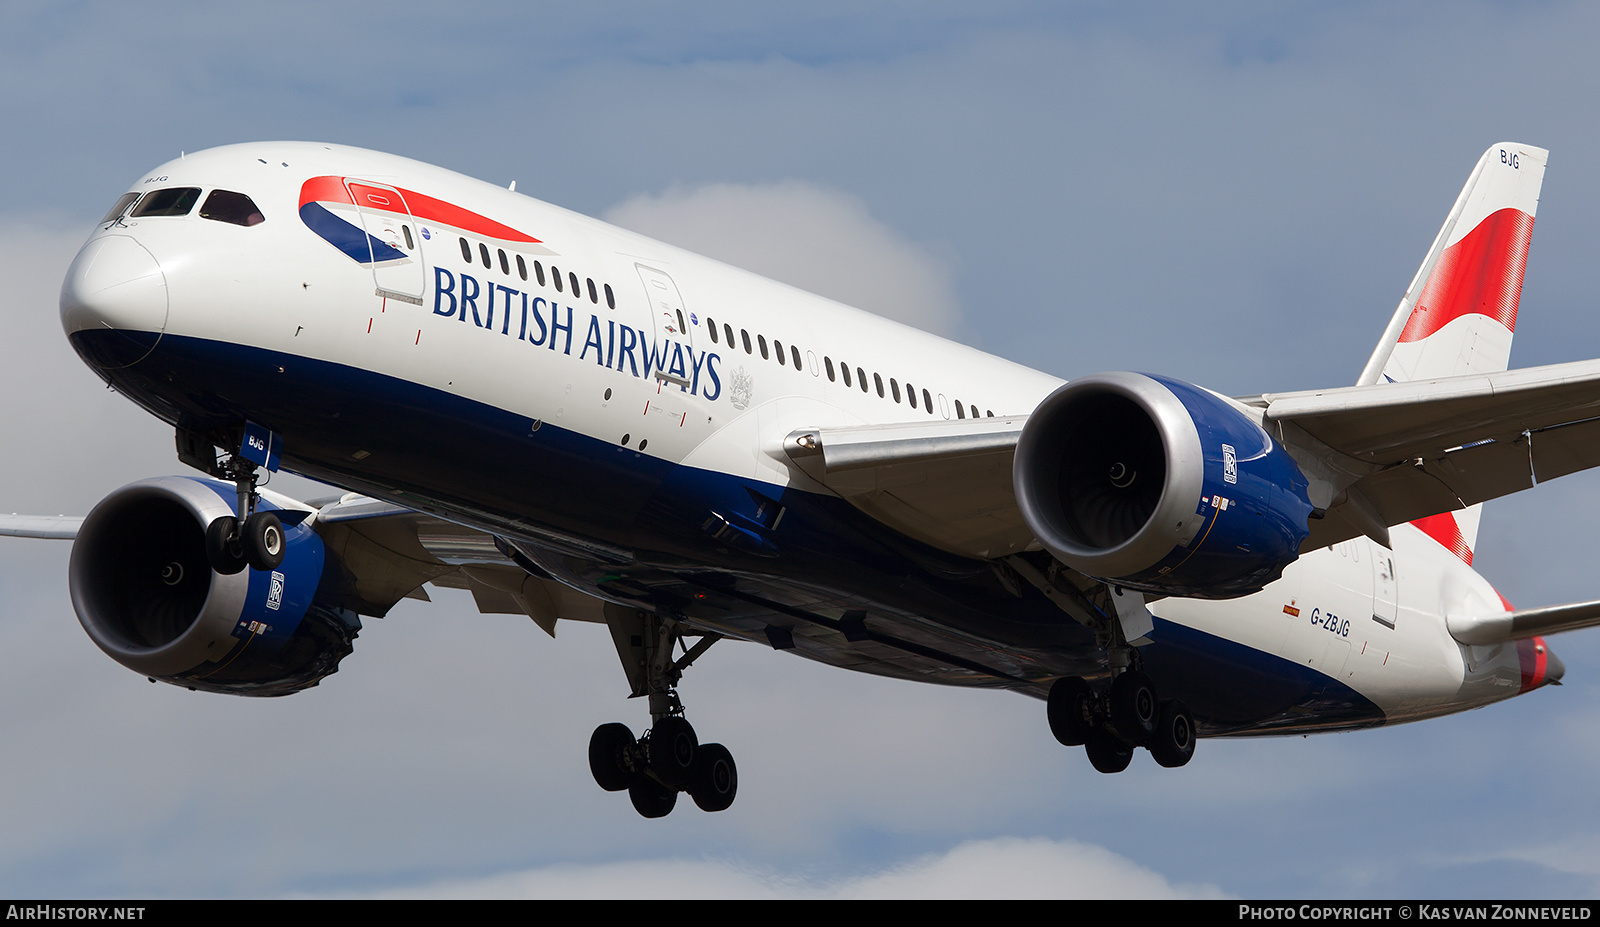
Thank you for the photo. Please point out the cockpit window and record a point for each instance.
(121, 207)
(232, 208)
(173, 201)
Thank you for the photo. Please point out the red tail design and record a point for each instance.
(1443, 528)
(1481, 273)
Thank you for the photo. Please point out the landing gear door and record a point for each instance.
(392, 234)
(671, 319)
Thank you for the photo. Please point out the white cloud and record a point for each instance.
(806, 235)
(1003, 868)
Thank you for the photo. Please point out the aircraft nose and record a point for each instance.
(115, 284)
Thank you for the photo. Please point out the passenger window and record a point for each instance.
(411, 244)
(762, 341)
(611, 300)
(577, 293)
(879, 381)
(911, 395)
(505, 265)
(959, 413)
(746, 336)
(778, 346)
(794, 352)
(538, 272)
(594, 296)
(466, 251)
(845, 369)
(555, 277)
(711, 326)
(861, 377)
(235, 209)
(173, 201)
(126, 200)
(828, 363)
(483, 251)
(894, 388)
(927, 402)
(522, 267)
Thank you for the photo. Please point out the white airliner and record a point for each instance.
(576, 422)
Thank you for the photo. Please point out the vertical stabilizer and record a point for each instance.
(1460, 312)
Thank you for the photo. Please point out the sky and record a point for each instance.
(1235, 196)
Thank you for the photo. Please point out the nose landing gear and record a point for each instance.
(248, 538)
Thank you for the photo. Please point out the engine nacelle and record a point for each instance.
(144, 591)
(1158, 485)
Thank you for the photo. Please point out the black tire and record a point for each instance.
(1134, 707)
(1071, 710)
(609, 747)
(1108, 754)
(716, 778)
(650, 798)
(1173, 744)
(223, 551)
(673, 746)
(264, 542)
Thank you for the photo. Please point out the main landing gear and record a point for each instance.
(669, 757)
(1110, 726)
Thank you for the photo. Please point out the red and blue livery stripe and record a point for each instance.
(319, 193)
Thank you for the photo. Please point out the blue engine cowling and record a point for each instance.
(1154, 484)
(144, 591)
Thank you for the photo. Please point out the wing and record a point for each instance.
(1376, 456)
(945, 483)
(53, 527)
(391, 551)
(1387, 454)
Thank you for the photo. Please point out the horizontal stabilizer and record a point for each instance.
(1524, 623)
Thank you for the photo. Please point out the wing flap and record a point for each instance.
(391, 551)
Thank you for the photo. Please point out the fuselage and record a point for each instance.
(617, 408)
